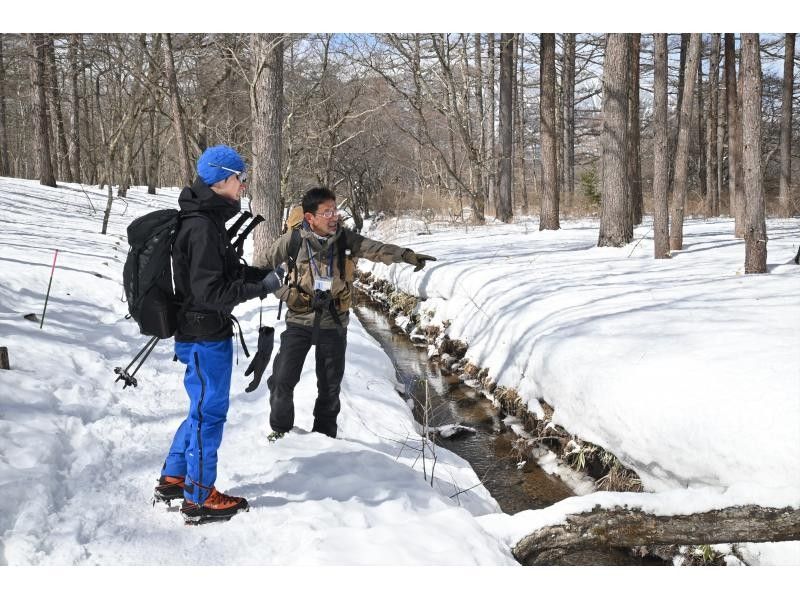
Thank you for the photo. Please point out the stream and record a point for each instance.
(515, 485)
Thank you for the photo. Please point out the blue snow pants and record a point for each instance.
(208, 382)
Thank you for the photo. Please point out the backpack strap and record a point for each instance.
(294, 249)
(341, 250)
(238, 245)
(238, 224)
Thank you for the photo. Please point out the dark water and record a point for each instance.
(516, 486)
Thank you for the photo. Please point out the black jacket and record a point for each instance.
(209, 279)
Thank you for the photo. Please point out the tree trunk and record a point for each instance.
(614, 231)
(152, 162)
(266, 108)
(787, 208)
(680, 183)
(673, 135)
(722, 127)
(568, 99)
(660, 141)
(4, 165)
(622, 528)
(492, 149)
(700, 120)
(181, 139)
(734, 138)
(109, 203)
(36, 45)
(712, 167)
(63, 152)
(634, 151)
(519, 117)
(504, 180)
(756, 230)
(482, 119)
(75, 123)
(548, 207)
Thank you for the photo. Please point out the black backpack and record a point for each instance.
(147, 275)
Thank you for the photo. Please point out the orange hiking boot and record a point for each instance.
(217, 507)
(169, 488)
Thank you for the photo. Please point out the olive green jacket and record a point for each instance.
(297, 295)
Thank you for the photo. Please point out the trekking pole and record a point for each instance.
(47, 297)
(127, 378)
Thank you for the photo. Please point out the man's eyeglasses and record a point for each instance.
(242, 176)
(328, 213)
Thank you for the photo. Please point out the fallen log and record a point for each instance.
(625, 528)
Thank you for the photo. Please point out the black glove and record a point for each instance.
(271, 282)
(417, 259)
(254, 274)
(266, 340)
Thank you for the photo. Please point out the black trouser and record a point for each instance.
(286, 370)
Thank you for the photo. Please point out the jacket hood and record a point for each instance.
(201, 198)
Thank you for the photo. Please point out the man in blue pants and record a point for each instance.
(209, 282)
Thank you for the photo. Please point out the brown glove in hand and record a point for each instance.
(417, 259)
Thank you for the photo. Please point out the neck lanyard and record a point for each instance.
(314, 262)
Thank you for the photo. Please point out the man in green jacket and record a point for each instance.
(318, 294)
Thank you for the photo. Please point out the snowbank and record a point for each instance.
(685, 369)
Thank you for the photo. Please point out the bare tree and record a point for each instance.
(548, 207)
(185, 164)
(75, 122)
(633, 160)
(755, 261)
(712, 194)
(492, 197)
(504, 179)
(568, 109)
(615, 229)
(680, 183)
(36, 46)
(519, 119)
(483, 120)
(736, 197)
(786, 128)
(63, 154)
(699, 121)
(266, 104)
(660, 141)
(4, 166)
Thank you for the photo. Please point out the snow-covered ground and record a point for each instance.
(685, 369)
(79, 455)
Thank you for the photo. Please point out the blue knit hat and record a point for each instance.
(209, 163)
